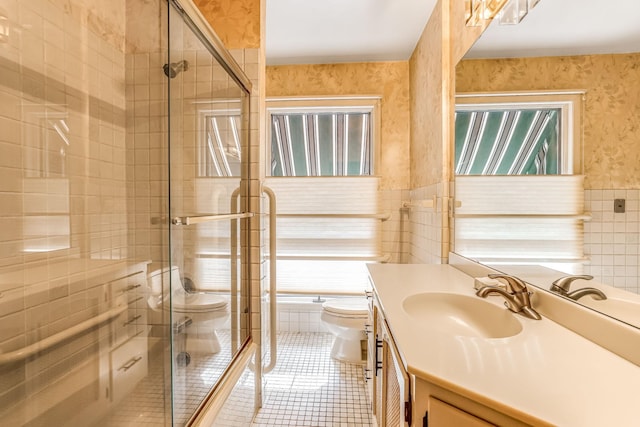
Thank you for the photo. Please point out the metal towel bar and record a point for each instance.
(198, 219)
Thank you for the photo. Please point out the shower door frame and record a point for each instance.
(192, 18)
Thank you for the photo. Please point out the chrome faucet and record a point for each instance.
(516, 295)
(563, 284)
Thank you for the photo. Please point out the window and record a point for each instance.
(519, 141)
(518, 134)
(518, 182)
(219, 148)
(321, 144)
(321, 166)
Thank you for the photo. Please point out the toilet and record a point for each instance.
(208, 312)
(345, 318)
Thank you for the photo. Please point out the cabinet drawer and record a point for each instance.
(129, 364)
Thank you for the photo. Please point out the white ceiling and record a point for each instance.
(331, 31)
(565, 27)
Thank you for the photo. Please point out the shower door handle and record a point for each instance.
(198, 219)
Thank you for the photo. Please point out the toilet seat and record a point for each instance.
(199, 303)
(354, 308)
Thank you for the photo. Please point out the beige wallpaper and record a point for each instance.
(611, 120)
(426, 73)
(387, 79)
(236, 22)
(444, 41)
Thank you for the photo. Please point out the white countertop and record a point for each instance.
(545, 371)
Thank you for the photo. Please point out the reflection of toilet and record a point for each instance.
(207, 312)
(345, 318)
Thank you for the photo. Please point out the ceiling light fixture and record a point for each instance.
(515, 10)
(508, 11)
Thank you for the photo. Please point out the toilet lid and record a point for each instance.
(347, 306)
(199, 302)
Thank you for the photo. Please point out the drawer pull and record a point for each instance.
(130, 363)
(133, 319)
(132, 287)
(367, 374)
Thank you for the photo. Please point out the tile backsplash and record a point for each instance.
(611, 239)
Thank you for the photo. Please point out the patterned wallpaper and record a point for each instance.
(611, 111)
(387, 79)
(236, 22)
(427, 76)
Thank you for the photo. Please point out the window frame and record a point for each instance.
(570, 103)
(205, 111)
(325, 104)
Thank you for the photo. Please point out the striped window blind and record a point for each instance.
(327, 230)
(321, 166)
(521, 219)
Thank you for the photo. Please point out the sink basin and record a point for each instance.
(461, 315)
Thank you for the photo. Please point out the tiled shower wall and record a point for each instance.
(62, 179)
(612, 240)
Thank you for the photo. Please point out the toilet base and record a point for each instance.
(349, 351)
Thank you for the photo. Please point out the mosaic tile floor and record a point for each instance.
(307, 388)
(147, 404)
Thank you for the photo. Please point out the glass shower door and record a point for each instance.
(208, 112)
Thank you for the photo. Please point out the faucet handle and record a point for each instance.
(514, 284)
(563, 284)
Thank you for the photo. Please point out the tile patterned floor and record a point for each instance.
(307, 388)
(148, 405)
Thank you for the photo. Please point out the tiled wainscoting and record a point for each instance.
(612, 240)
(308, 388)
(300, 314)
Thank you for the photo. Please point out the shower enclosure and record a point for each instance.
(124, 187)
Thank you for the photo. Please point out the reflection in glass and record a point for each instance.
(94, 292)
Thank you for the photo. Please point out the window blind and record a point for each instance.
(321, 247)
(520, 219)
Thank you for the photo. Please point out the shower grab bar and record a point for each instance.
(198, 219)
(381, 216)
(273, 339)
(376, 258)
(426, 203)
(579, 217)
(43, 344)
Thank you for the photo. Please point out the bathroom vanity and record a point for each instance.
(438, 352)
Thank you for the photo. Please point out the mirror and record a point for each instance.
(590, 48)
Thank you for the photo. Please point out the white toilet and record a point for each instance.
(345, 318)
(208, 312)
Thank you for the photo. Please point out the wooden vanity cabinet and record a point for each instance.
(444, 408)
(389, 384)
(399, 399)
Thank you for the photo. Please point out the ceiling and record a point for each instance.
(332, 31)
(565, 27)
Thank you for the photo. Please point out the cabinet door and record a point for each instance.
(396, 396)
(442, 414)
